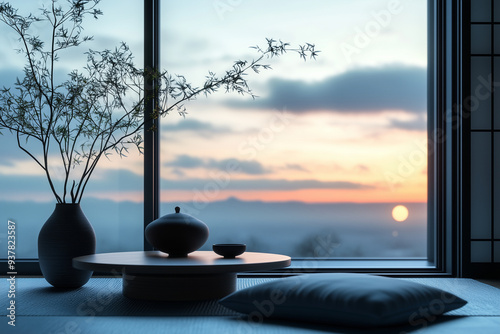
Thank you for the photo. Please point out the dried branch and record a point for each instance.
(100, 108)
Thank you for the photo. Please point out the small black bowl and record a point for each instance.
(229, 251)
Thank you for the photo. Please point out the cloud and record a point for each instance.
(188, 125)
(296, 167)
(375, 89)
(241, 166)
(178, 172)
(417, 124)
(186, 161)
(115, 180)
(122, 181)
(102, 180)
(9, 149)
(230, 165)
(360, 168)
(9, 76)
(204, 129)
(262, 184)
(24, 183)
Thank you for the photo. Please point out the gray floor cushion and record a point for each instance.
(344, 299)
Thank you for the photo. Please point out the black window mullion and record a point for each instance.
(151, 137)
(492, 108)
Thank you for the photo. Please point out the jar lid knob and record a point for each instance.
(177, 209)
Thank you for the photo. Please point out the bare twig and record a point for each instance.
(99, 109)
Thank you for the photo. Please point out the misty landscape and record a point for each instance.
(347, 132)
(296, 229)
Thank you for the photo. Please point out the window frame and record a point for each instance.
(444, 36)
(445, 178)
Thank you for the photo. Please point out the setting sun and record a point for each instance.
(400, 213)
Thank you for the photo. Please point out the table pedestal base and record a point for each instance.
(178, 287)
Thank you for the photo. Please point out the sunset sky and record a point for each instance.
(348, 127)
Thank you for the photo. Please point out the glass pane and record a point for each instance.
(481, 39)
(317, 163)
(497, 251)
(496, 93)
(497, 10)
(480, 99)
(480, 185)
(496, 33)
(113, 198)
(481, 10)
(496, 187)
(480, 251)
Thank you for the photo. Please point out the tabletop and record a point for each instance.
(200, 262)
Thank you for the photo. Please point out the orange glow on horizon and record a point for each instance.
(306, 196)
(130, 196)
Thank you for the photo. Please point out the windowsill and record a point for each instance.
(383, 266)
(362, 263)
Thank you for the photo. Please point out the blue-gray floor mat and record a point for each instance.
(103, 297)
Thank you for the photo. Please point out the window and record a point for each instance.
(331, 159)
(113, 201)
(201, 143)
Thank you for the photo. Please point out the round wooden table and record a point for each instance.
(202, 275)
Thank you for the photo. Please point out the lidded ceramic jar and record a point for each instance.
(177, 234)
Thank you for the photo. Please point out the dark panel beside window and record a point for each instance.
(496, 184)
(480, 185)
(480, 251)
(496, 92)
(480, 93)
(480, 11)
(497, 11)
(481, 39)
(497, 251)
(496, 36)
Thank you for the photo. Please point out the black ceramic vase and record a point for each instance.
(65, 235)
(177, 234)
